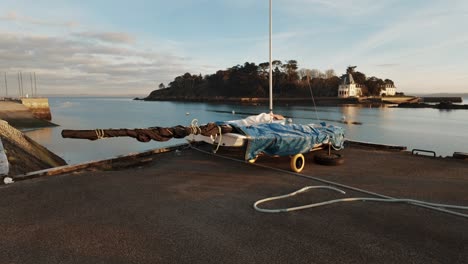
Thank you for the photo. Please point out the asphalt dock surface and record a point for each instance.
(190, 207)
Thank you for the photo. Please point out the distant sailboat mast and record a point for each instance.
(271, 66)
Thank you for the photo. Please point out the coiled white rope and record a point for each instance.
(350, 199)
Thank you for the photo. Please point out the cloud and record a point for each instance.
(72, 64)
(347, 8)
(387, 65)
(405, 41)
(12, 16)
(111, 37)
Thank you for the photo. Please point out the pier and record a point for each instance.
(186, 206)
(26, 109)
(26, 112)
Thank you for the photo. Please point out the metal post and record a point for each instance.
(19, 86)
(32, 90)
(21, 82)
(35, 84)
(271, 65)
(6, 86)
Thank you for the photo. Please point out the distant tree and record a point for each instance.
(329, 73)
(279, 81)
(250, 80)
(304, 74)
(359, 77)
(290, 68)
(350, 69)
(388, 81)
(276, 64)
(374, 85)
(314, 73)
(264, 68)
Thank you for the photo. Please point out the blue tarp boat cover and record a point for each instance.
(290, 139)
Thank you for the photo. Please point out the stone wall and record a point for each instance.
(21, 117)
(39, 107)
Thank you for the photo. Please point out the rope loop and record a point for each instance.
(445, 208)
(348, 199)
(195, 128)
(100, 133)
(219, 141)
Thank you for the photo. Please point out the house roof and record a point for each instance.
(348, 79)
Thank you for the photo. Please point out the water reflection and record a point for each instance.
(429, 129)
(43, 135)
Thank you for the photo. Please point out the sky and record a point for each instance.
(89, 47)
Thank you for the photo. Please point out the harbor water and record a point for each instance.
(442, 131)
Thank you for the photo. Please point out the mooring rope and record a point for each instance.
(195, 127)
(350, 199)
(100, 134)
(197, 130)
(219, 141)
(313, 100)
(382, 198)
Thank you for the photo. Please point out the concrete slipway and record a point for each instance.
(186, 206)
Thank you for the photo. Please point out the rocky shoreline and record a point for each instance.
(321, 101)
(441, 106)
(255, 100)
(393, 101)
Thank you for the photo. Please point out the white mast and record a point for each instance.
(271, 67)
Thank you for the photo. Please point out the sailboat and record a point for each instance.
(295, 139)
(263, 134)
(239, 139)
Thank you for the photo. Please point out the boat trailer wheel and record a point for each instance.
(253, 160)
(332, 159)
(297, 163)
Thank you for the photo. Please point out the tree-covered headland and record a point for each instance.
(251, 80)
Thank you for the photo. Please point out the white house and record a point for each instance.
(349, 88)
(387, 90)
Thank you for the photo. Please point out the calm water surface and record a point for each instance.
(442, 131)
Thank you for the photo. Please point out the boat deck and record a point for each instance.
(190, 207)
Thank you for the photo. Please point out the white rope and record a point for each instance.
(350, 199)
(313, 100)
(100, 134)
(195, 130)
(219, 141)
(289, 195)
(194, 127)
(383, 197)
